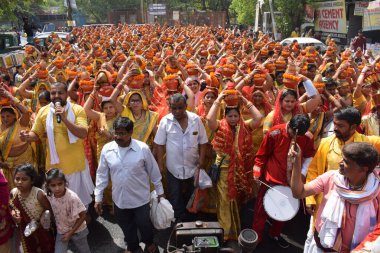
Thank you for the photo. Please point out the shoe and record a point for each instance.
(281, 242)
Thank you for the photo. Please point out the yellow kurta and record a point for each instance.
(328, 157)
(71, 156)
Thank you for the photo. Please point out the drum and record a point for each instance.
(280, 204)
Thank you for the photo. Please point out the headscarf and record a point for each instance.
(201, 108)
(248, 94)
(278, 117)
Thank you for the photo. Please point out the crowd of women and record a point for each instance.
(240, 86)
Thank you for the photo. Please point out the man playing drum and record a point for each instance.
(271, 168)
(350, 206)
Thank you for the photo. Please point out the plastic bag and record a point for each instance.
(161, 213)
(204, 180)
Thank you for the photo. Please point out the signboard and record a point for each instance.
(157, 9)
(371, 17)
(331, 17)
(359, 8)
(175, 15)
(71, 23)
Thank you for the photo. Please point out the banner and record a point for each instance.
(371, 17)
(359, 8)
(157, 9)
(330, 17)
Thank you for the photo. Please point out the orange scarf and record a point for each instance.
(238, 146)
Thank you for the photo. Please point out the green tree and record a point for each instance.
(97, 10)
(292, 15)
(244, 10)
(15, 9)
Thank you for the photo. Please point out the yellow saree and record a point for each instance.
(143, 128)
(9, 138)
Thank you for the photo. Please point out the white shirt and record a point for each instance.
(130, 169)
(182, 152)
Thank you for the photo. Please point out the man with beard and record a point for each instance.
(64, 126)
(329, 153)
(131, 166)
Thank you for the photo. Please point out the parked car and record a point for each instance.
(303, 41)
(43, 37)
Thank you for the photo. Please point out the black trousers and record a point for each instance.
(132, 219)
(180, 191)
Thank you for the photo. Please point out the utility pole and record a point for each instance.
(142, 11)
(273, 20)
(69, 16)
(257, 16)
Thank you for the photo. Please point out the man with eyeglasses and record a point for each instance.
(329, 154)
(131, 166)
(182, 135)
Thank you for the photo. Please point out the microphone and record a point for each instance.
(58, 116)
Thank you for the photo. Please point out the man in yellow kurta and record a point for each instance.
(63, 126)
(329, 153)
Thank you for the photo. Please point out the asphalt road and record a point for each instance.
(106, 236)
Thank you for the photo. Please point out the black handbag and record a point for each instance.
(214, 171)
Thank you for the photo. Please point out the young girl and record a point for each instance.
(69, 213)
(28, 203)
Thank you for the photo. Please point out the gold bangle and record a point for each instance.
(249, 105)
(216, 103)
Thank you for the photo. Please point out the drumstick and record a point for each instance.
(295, 146)
(272, 188)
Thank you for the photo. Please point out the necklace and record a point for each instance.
(356, 187)
(137, 119)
